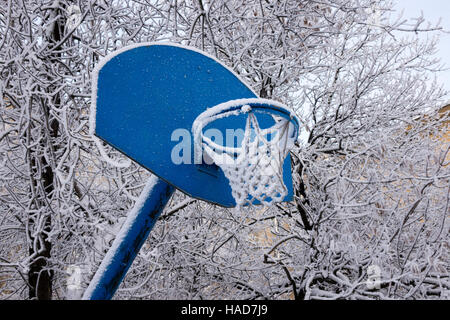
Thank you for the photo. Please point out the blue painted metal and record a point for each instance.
(147, 92)
(143, 94)
(126, 246)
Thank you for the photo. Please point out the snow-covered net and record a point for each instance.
(255, 169)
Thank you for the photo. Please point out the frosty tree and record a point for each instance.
(53, 186)
(370, 216)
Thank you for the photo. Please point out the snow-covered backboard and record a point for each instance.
(146, 98)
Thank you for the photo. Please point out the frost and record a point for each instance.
(246, 108)
(255, 169)
(371, 174)
(124, 230)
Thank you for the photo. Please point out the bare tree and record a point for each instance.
(371, 175)
(53, 185)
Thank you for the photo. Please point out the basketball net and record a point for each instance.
(255, 169)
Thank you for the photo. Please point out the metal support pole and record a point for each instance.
(129, 240)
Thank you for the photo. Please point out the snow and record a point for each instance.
(257, 169)
(246, 108)
(226, 109)
(374, 145)
(110, 56)
(120, 164)
(94, 90)
(93, 113)
(212, 113)
(109, 257)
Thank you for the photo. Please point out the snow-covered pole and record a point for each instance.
(129, 240)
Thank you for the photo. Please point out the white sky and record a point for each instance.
(432, 11)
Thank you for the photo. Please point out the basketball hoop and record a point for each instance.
(127, 115)
(255, 168)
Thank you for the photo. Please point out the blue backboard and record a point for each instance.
(146, 99)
